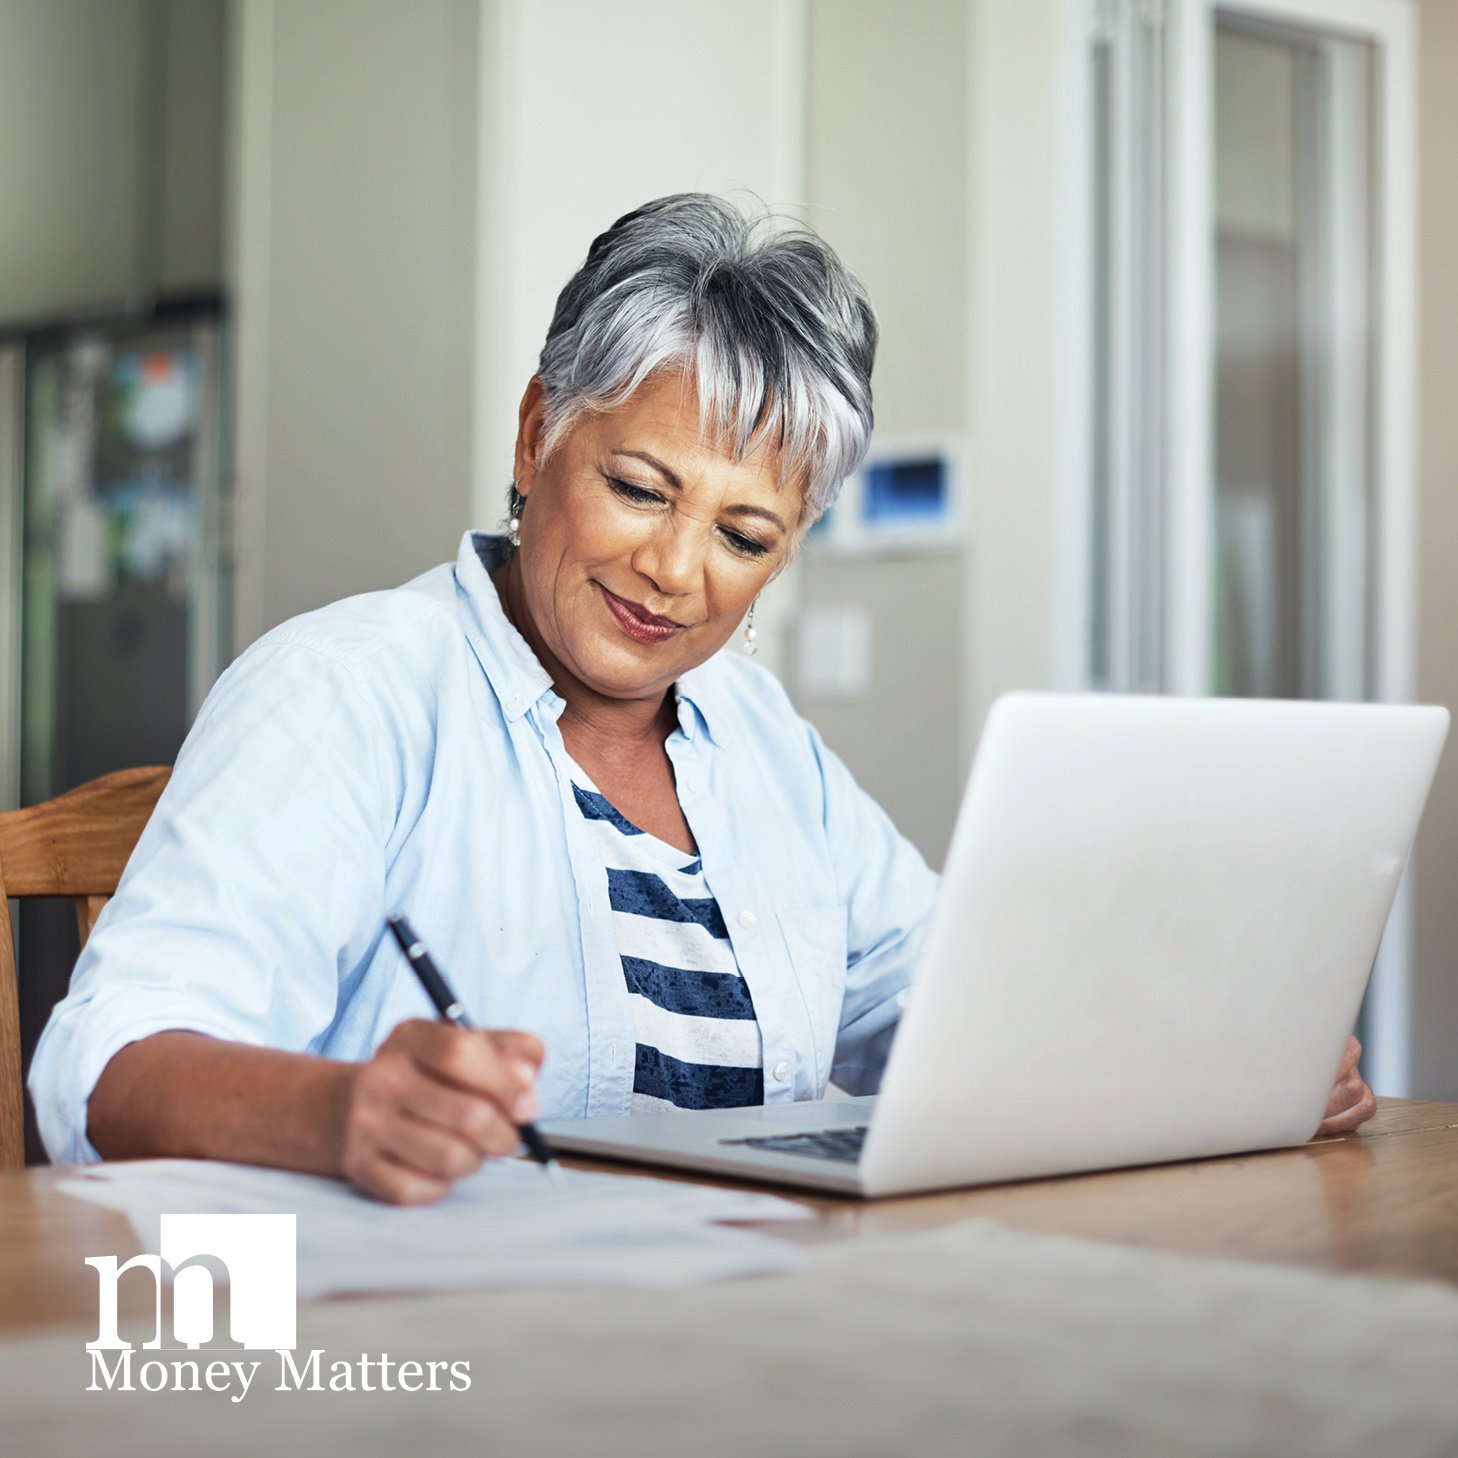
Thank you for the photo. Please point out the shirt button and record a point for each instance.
(748, 920)
(698, 785)
(782, 1071)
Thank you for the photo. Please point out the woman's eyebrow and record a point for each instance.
(668, 475)
(759, 511)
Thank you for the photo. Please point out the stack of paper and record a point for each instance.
(509, 1225)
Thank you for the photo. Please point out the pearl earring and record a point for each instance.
(750, 647)
(513, 524)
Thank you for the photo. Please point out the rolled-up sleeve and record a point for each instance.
(256, 885)
(888, 891)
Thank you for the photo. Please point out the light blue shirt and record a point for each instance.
(401, 750)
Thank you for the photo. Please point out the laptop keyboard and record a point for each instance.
(843, 1144)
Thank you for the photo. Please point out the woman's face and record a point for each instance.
(642, 547)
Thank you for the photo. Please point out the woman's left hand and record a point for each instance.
(1352, 1102)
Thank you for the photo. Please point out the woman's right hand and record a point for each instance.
(432, 1103)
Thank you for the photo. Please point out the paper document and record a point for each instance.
(508, 1225)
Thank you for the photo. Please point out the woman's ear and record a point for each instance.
(530, 432)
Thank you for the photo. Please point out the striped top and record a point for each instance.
(698, 1040)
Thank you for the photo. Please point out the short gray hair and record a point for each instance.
(777, 332)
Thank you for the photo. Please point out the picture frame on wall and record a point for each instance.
(907, 497)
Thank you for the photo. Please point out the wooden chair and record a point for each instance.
(75, 845)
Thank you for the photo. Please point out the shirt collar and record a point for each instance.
(509, 664)
(515, 672)
(701, 704)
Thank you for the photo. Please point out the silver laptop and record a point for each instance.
(1152, 939)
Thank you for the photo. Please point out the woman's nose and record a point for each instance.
(672, 557)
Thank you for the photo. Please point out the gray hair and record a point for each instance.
(777, 332)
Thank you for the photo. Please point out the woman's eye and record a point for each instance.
(745, 545)
(638, 495)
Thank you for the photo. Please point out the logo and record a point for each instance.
(233, 1284)
(245, 1264)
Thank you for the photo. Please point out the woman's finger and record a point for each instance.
(399, 1184)
(467, 1058)
(428, 1149)
(1350, 1058)
(482, 1123)
(1345, 1093)
(1353, 1117)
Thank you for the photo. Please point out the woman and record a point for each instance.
(611, 834)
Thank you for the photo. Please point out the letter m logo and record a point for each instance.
(250, 1261)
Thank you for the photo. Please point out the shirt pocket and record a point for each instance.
(815, 941)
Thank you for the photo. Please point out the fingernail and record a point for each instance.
(526, 1107)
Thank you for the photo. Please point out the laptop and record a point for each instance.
(1152, 938)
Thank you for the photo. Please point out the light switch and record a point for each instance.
(835, 652)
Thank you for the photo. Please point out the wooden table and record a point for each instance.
(1384, 1200)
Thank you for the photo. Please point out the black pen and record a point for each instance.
(448, 1005)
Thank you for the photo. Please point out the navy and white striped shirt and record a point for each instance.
(698, 1039)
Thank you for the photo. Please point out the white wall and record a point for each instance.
(110, 139)
(888, 172)
(69, 155)
(1025, 411)
(888, 142)
(352, 271)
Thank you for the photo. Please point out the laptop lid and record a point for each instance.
(1157, 922)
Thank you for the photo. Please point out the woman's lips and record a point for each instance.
(636, 621)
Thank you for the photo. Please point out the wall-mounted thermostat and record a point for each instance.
(907, 497)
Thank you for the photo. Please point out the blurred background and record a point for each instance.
(1169, 321)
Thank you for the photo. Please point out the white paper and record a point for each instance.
(511, 1224)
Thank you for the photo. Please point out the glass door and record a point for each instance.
(1294, 304)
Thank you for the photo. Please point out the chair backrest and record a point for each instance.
(75, 845)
